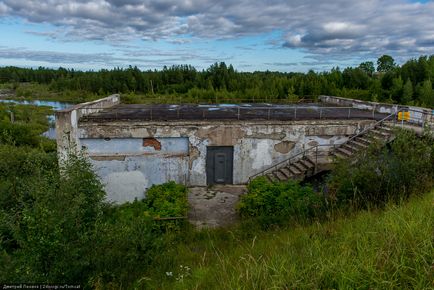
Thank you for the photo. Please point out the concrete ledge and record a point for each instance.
(418, 115)
(67, 122)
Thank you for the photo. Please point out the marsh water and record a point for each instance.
(51, 133)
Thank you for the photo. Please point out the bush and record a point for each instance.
(130, 237)
(51, 224)
(382, 174)
(124, 247)
(167, 200)
(278, 202)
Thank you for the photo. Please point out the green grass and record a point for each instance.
(390, 249)
(35, 91)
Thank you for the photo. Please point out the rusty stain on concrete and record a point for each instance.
(152, 142)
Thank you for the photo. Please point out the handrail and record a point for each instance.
(286, 160)
(370, 127)
(319, 145)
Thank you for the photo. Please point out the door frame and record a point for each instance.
(210, 167)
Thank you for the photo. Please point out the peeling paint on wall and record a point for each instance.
(284, 147)
(182, 156)
(152, 142)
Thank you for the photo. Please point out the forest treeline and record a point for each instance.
(385, 81)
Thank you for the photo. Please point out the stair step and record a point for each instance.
(364, 140)
(294, 170)
(359, 144)
(379, 133)
(385, 129)
(271, 177)
(280, 176)
(307, 163)
(286, 171)
(376, 138)
(300, 166)
(350, 146)
(340, 155)
(344, 151)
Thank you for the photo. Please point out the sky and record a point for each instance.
(276, 35)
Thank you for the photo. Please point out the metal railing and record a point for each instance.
(291, 159)
(315, 148)
(232, 112)
(304, 153)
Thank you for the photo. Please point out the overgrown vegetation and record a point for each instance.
(372, 249)
(410, 83)
(277, 203)
(56, 227)
(384, 173)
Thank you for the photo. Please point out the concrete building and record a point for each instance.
(132, 147)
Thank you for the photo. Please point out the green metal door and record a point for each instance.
(219, 164)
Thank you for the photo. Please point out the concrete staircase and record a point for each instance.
(297, 170)
(381, 133)
(306, 165)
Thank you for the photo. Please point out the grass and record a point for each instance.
(390, 249)
(35, 91)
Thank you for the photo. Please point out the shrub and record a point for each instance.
(383, 174)
(129, 239)
(278, 202)
(52, 222)
(167, 200)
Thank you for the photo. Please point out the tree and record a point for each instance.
(367, 67)
(407, 92)
(385, 63)
(396, 89)
(425, 92)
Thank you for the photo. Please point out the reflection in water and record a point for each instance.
(51, 133)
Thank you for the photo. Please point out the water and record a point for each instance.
(51, 133)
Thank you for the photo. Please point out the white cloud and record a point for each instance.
(337, 28)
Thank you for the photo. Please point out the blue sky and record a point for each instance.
(252, 35)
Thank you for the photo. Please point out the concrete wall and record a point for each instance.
(67, 122)
(130, 156)
(419, 116)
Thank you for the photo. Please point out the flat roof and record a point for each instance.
(168, 112)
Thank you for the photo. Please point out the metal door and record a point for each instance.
(219, 164)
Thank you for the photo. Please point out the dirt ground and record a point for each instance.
(215, 206)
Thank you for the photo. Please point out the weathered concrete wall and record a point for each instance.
(418, 115)
(67, 122)
(130, 156)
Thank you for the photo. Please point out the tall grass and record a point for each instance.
(390, 249)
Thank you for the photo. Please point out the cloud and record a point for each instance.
(154, 58)
(338, 28)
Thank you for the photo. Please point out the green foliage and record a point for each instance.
(51, 220)
(385, 63)
(367, 67)
(426, 93)
(277, 203)
(18, 134)
(222, 83)
(167, 200)
(407, 93)
(125, 244)
(383, 174)
(390, 249)
(22, 125)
